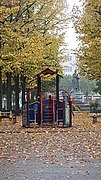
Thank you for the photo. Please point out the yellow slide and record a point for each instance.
(76, 107)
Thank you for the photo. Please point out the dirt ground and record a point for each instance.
(51, 153)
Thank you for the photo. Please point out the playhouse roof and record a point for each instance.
(47, 71)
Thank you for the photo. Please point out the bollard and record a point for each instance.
(14, 119)
(94, 118)
(0, 116)
(10, 115)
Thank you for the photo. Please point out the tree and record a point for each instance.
(86, 86)
(31, 35)
(49, 85)
(98, 87)
(66, 83)
(88, 27)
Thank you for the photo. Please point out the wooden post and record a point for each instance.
(39, 98)
(57, 88)
(57, 95)
(53, 113)
(64, 114)
(94, 118)
(38, 85)
(40, 110)
(14, 119)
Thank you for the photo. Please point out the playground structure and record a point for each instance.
(43, 110)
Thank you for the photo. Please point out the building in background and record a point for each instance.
(69, 66)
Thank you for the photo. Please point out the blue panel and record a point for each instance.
(60, 114)
(45, 102)
(33, 111)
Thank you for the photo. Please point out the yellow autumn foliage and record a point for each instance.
(31, 35)
(88, 27)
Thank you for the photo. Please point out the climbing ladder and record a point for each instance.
(49, 112)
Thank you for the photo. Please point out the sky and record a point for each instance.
(71, 35)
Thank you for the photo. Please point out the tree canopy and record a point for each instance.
(32, 35)
(88, 27)
(98, 87)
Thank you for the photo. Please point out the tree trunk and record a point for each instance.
(23, 79)
(9, 106)
(17, 94)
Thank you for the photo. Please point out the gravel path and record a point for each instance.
(35, 169)
(49, 153)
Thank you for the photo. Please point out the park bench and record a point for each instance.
(6, 114)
